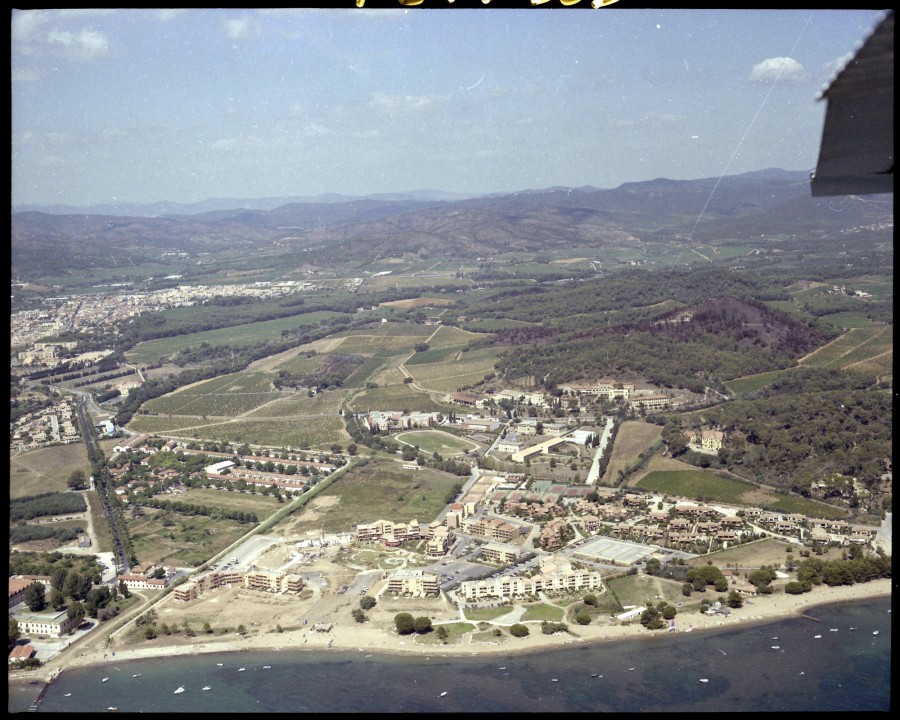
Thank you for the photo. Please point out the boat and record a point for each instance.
(704, 680)
(267, 667)
(104, 679)
(179, 690)
(554, 680)
(241, 669)
(874, 632)
(219, 664)
(112, 709)
(443, 693)
(206, 688)
(776, 647)
(817, 636)
(833, 630)
(68, 695)
(594, 675)
(136, 675)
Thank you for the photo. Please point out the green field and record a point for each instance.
(697, 484)
(237, 336)
(46, 469)
(848, 320)
(359, 377)
(262, 505)
(448, 336)
(431, 441)
(438, 355)
(226, 396)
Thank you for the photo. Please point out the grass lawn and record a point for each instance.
(46, 469)
(638, 589)
(262, 505)
(486, 613)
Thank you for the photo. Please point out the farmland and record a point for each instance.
(698, 484)
(452, 375)
(865, 349)
(397, 397)
(237, 336)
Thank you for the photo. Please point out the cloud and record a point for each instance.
(238, 28)
(26, 24)
(783, 69)
(83, 44)
(400, 103)
(170, 13)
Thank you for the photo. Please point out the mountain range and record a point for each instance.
(771, 203)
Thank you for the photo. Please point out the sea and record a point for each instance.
(836, 658)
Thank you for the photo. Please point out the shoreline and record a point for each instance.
(374, 639)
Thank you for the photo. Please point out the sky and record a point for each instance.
(144, 105)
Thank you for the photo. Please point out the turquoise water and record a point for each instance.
(847, 670)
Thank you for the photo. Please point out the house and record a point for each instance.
(22, 652)
(54, 624)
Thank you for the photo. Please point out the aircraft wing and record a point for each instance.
(856, 156)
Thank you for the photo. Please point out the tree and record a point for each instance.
(14, 632)
(57, 599)
(405, 623)
(734, 599)
(590, 599)
(207, 628)
(582, 617)
(76, 613)
(358, 615)
(422, 624)
(241, 630)
(518, 630)
(123, 588)
(442, 633)
(34, 597)
(367, 602)
(77, 480)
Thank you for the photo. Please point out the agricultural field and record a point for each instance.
(446, 336)
(768, 551)
(299, 364)
(417, 303)
(867, 349)
(188, 541)
(380, 489)
(237, 336)
(322, 431)
(226, 396)
(397, 397)
(633, 437)
(436, 441)
(46, 469)
(299, 404)
(165, 424)
(848, 320)
(437, 355)
(450, 376)
(754, 383)
(699, 484)
(359, 377)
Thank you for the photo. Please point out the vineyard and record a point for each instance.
(867, 349)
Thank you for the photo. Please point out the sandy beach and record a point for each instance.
(382, 639)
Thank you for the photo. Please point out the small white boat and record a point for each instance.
(817, 636)
(68, 695)
(631, 668)
(104, 679)
(241, 669)
(704, 680)
(206, 688)
(832, 630)
(136, 675)
(267, 667)
(443, 693)
(594, 675)
(219, 664)
(554, 680)
(874, 632)
(776, 647)
(179, 690)
(503, 668)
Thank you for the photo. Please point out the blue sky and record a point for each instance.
(185, 105)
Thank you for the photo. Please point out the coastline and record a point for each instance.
(376, 639)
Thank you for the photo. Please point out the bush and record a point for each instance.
(518, 630)
(422, 624)
(582, 618)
